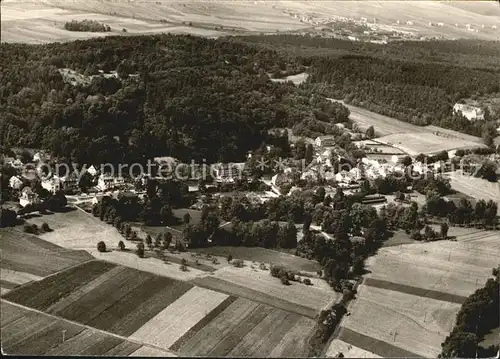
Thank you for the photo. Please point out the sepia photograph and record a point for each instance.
(250, 178)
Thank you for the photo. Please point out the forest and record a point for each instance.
(139, 97)
(416, 82)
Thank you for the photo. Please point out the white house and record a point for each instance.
(105, 182)
(15, 183)
(39, 157)
(325, 141)
(52, 184)
(28, 197)
(66, 183)
(92, 170)
(324, 158)
(470, 112)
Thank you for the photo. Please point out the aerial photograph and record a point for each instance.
(250, 178)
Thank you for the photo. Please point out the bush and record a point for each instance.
(237, 263)
(307, 281)
(101, 247)
(140, 250)
(183, 268)
(229, 258)
(34, 229)
(262, 266)
(45, 227)
(121, 245)
(28, 228)
(284, 280)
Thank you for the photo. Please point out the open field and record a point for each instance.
(27, 253)
(451, 267)
(383, 125)
(408, 302)
(262, 255)
(410, 138)
(99, 294)
(195, 217)
(27, 332)
(426, 143)
(296, 79)
(314, 297)
(247, 328)
(350, 351)
(176, 319)
(77, 229)
(475, 187)
(26, 258)
(410, 322)
(36, 22)
(163, 313)
(443, 132)
(244, 291)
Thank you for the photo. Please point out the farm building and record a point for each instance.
(325, 141)
(472, 113)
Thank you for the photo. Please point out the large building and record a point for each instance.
(472, 113)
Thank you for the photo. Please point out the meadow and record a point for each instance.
(27, 332)
(26, 258)
(163, 313)
(35, 22)
(408, 301)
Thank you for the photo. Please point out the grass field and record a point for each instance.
(350, 351)
(475, 187)
(263, 255)
(383, 125)
(410, 322)
(79, 230)
(415, 143)
(27, 332)
(244, 291)
(35, 22)
(313, 297)
(26, 258)
(408, 301)
(246, 328)
(410, 138)
(102, 295)
(451, 267)
(160, 313)
(175, 320)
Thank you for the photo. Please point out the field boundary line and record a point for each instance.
(51, 275)
(88, 327)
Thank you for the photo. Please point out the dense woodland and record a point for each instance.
(414, 81)
(184, 96)
(197, 98)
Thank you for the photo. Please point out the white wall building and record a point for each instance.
(28, 197)
(325, 141)
(472, 113)
(15, 183)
